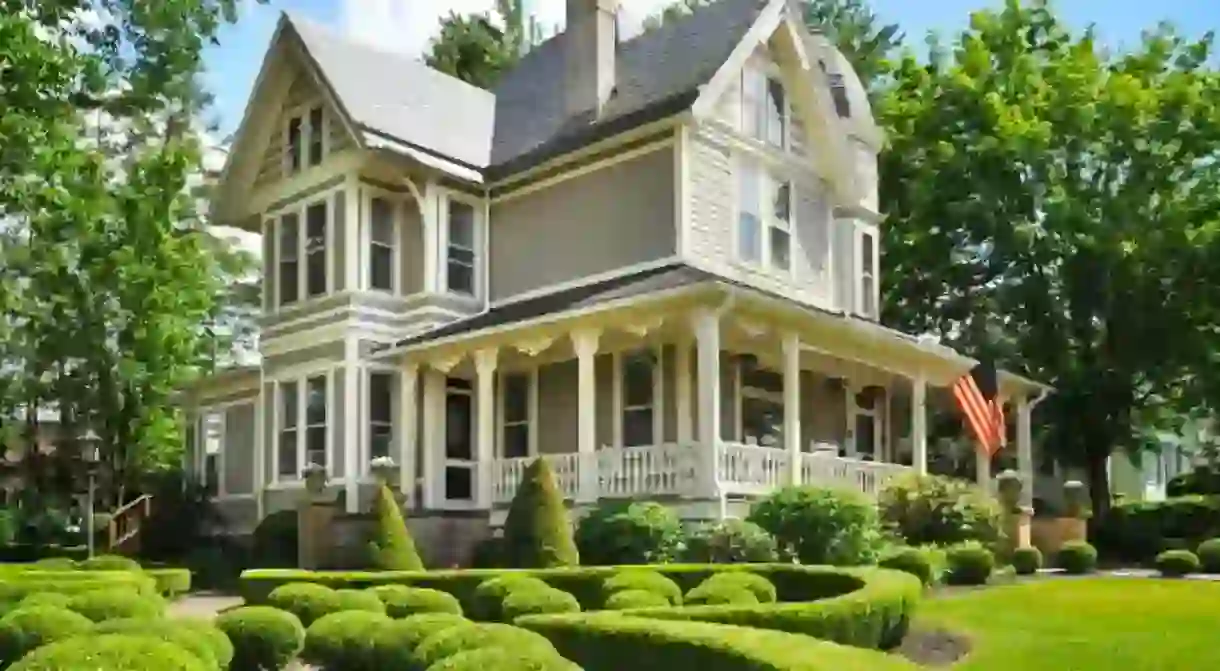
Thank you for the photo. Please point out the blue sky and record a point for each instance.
(406, 24)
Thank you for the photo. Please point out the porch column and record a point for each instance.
(919, 425)
(584, 342)
(706, 323)
(352, 376)
(792, 405)
(682, 391)
(434, 433)
(407, 415)
(1025, 449)
(485, 369)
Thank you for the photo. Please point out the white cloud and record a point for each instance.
(406, 26)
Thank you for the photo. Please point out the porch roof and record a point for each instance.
(667, 280)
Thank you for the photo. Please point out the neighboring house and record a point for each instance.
(653, 262)
(1145, 476)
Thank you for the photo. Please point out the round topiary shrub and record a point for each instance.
(1076, 558)
(635, 532)
(56, 564)
(762, 588)
(402, 601)
(111, 651)
(394, 643)
(729, 542)
(190, 639)
(222, 647)
(108, 563)
(722, 595)
(487, 635)
(1177, 563)
(1026, 561)
(341, 641)
(821, 525)
(306, 600)
(264, 638)
(969, 564)
(537, 602)
(171, 582)
(356, 599)
(635, 598)
(909, 560)
(490, 594)
(1209, 555)
(116, 603)
(53, 599)
(502, 659)
(643, 580)
(25, 629)
(537, 533)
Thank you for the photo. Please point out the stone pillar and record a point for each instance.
(706, 323)
(1016, 517)
(315, 515)
(792, 405)
(584, 342)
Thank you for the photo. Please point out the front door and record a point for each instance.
(459, 443)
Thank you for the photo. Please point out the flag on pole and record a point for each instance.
(977, 395)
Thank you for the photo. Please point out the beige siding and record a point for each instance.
(607, 219)
(239, 449)
(303, 91)
(557, 408)
(412, 254)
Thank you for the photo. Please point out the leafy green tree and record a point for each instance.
(391, 548)
(476, 49)
(537, 533)
(108, 285)
(1055, 205)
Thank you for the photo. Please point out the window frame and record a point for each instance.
(200, 447)
(366, 414)
(531, 412)
(302, 113)
(619, 394)
(768, 178)
(397, 210)
(273, 222)
(478, 236)
(744, 391)
(301, 379)
(862, 300)
(763, 74)
(879, 415)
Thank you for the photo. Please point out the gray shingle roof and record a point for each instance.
(525, 120)
(401, 98)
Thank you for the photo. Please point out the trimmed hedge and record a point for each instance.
(402, 601)
(760, 587)
(171, 582)
(108, 563)
(538, 602)
(263, 638)
(648, 581)
(910, 560)
(117, 603)
(1177, 563)
(635, 598)
(489, 596)
(1026, 561)
(611, 642)
(28, 628)
(1076, 558)
(307, 601)
(391, 547)
(111, 651)
(720, 595)
(1138, 531)
(502, 659)
(865, 607)
(454, 640)
(394, 643)
(189, 638)
(1209, 555)
(342, 641)
(537, 533)
(222, 647)
(969, 563)
(45, 599)
(18, 583)
(356, 599)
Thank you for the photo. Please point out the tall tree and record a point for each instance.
(107, 287)
(477, 48)
(1056, 206)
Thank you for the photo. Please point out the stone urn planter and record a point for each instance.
(1075, 499)
(384, 471)
(1008, 487)
(315, 479)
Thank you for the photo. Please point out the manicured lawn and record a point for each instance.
(1086, 624)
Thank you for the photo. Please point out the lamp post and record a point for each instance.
(89, 452)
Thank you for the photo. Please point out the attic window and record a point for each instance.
(764, 104)
(305, 139)
(838, 91)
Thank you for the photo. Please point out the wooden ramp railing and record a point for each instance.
(123, 532)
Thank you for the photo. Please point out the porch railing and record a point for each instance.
(506, 475)
(751, 469)
(867, 477)
(664, 470)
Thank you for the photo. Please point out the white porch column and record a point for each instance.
(792, 405)
(706, 323)
(407, 415)
(434, 433)
(354, 231)
(485, 369)
(919, 425)
(684, 380)
(584, 342)
(352, 377)
(1025, 449)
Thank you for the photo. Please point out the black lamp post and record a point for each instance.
(89, 453)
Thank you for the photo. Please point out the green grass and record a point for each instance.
(1085, 625)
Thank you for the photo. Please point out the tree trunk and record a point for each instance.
(1099, 489)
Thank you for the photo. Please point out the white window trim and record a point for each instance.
(531, 411)
(272, 222)
(618, 394)
(767, 221)
(398, 204)
(366, 444)
(741, 392)
(479, 233)
(853, 411)
(860, 230)
(471, 464)
(302, 381)
(769, 71)
(302, 111)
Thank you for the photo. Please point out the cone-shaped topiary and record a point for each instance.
(537, 533)
(391, 548)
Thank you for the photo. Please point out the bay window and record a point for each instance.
(301, 249)
(315, 421)
(286, 453)
(381, 415)
(460, 250)
(383, 237)
(302, 418)
(765, 217)
(289, 241)
(315, 249)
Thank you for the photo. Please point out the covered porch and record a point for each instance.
(701, 394)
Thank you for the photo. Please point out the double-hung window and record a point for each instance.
(867, 291)
(460, 253)
(290, 261)
(302, 424)
(764, 106)
(301, 241)
(382, 243)
(315, 249)
(286, 453)
(639, 397)
(315, 420)
(515, 415)
(304, 139)
(381, 415)
(764, 218)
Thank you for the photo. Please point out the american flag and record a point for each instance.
(977, 395)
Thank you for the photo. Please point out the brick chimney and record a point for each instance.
(590, 44)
